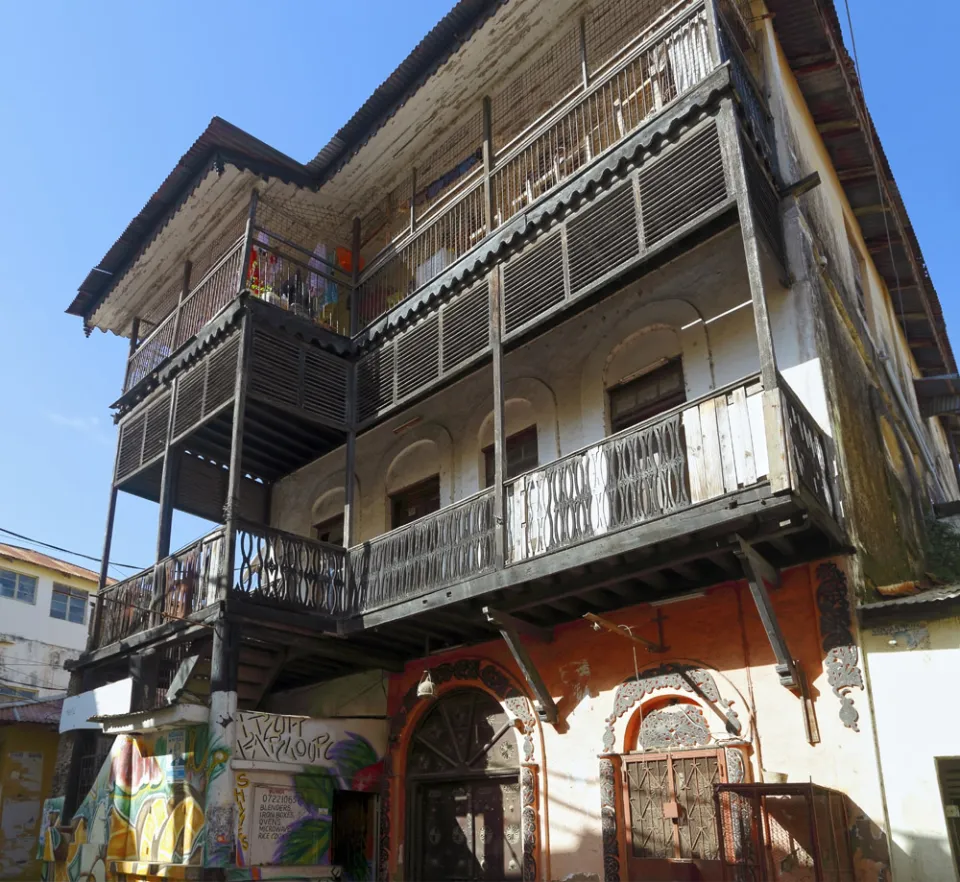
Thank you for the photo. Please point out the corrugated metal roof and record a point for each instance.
(45, 711)
(220, 143)
(810, 34)
(452, 31)
(28, 555)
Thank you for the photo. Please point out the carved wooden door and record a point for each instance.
(464, 818)
(671, 816)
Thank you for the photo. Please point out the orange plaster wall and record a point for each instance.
(720, 631)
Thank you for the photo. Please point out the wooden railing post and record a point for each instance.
(235, 474)
(184, 291)
(499, 453)
(488, 163)
(248, 239)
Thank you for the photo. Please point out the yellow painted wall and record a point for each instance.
(27, 756)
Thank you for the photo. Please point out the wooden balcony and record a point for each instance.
(650, 513)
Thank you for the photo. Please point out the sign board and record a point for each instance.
(275, 811)
(114, 698)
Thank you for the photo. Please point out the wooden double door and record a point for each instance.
(671, 821)
(464, 807)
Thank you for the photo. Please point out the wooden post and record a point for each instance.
(168, 482)
(355, 278)
(235, 475)
(713, 30)
(248, 238)
(350, 418)
(584, 67)
(488, 163)
(220, 807)
(144, 669)
(736, 175)
(184, 291)
(413, 200)
(134, 336)
(499, 458)
(93, 636)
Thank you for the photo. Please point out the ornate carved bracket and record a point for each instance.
(842, 659)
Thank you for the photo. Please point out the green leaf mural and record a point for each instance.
(305, 844)
(351, 755)
(315, 786)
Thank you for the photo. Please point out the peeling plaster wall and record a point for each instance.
(721, 633)
(909, 663)
(698, 306)
(882, 503)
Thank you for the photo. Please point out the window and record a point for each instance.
(18, 586)
(522, 455)
(414, 502)
(640, 399)
(330, 530)
(69, 604)
(16, 693)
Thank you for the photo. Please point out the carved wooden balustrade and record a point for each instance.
(705, 449)
(696, 452)
(181, 584)
(448, 546)
(812, 459)
(285, 570)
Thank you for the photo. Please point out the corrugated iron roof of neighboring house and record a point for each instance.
(932, 603)
(44, 711)
(38, 559)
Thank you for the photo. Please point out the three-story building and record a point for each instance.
(554, 417)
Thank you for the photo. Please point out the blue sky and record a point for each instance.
(102, 98)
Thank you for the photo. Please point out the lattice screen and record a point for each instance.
(537, 88)
(445, 167)
(613, 24)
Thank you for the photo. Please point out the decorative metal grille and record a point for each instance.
(452, 544)
(286, 570)
(648, 788)
(695, 778)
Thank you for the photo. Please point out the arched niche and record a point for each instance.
(528, 401)
(650, 334)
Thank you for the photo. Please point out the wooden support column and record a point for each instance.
(584, 65)
(248, 238)
(96, 626)
(713, 30)
(760, 573)
(235, 475)
(736, 176)
(510, 629)
(488, 163)
(499, 453)
(220, 803)
(413, 200)
(144, 670)
(134, 336)
(350, 466)
(168, 481)
(184, 291)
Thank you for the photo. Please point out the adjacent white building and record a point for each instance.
(45, 607)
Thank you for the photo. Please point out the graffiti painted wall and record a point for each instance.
(146, 806)
(288, 770)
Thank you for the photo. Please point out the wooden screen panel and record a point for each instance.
(533, 282)
(602, 237)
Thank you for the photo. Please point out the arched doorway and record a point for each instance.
(463, 792)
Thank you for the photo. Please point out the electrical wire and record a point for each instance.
(66, 550)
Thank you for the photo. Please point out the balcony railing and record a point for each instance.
(448, 546)
(639, 85)
(181, 584)
(703, 450)
(277, 271)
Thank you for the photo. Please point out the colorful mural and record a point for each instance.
(150, 803)
(146, 805)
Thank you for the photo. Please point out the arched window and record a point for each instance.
(464, 791)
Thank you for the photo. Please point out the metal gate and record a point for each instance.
(783, 833)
